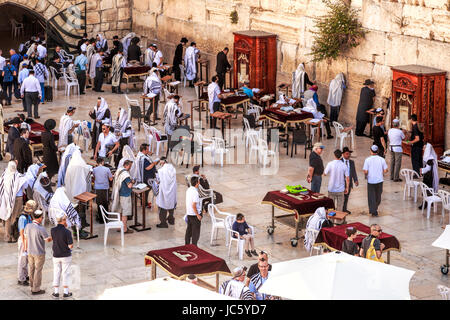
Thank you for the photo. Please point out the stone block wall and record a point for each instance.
(399, 32)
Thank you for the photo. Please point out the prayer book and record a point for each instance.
(140, 186)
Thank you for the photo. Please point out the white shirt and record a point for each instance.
(213, 96)
(110, 139)
(191, 197)
(31, 84)
(83, 47)
(158, 58)
(375, 165)
(2, 63)
(396, 136)
(42, 51)
(338, 171)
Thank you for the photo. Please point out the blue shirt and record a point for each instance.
(316, 98)
(240, 227)
(102, 175)
(252, 288)
(81, 62)
(99, 63)
(248, 92)
(15, 60)
(124, 190)
(21, 190)
(23, 74)
(8, 70)
(24, 219)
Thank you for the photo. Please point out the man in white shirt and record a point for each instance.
(31, 91)
(41, 50)
(395, 136)
(106, 139)
(214, 97)
(158, 57)
(374, 168)
(339, 180)
(193, 213)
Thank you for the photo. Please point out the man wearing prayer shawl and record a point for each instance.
(149, 55)
(335, 93)
(95, 57)
(430, 169)
(65, 159)
(299, 81)
(121, 193)
(101, 112)
(66, 128)
(90, 52)
(153, 85)
(31, 175)
(61, 204)
(12, 186)
(124, 132)
(317, 221)
(178, 58)
(167, 194)
(126, 41)
(101, 43)
(42, 191)
(127, 154)
(171, 114)
(147, 170)
(190, 63)
(118, 63)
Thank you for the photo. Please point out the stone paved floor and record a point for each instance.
(98, 268)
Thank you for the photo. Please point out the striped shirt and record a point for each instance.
(235, 289)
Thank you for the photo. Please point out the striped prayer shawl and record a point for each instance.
(257, 281)
(8, 190)
(235, 289)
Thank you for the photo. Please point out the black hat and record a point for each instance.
(49, 124)
(16, 120)
(184, 40)
(346, 149)
(70, 109)
(368, 82)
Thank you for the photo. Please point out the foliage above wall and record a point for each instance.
(234, 17)
(338, 31)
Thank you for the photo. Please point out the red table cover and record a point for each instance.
(282, 117)
(288, 203)
(197, 262)
(136, 70)
(233, 100)
(335, 236)
(37, 127)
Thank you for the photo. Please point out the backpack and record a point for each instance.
(371, 253)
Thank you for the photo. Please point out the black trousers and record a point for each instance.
(416, 158)
(346, 196)
(102, 200)
(374, 191)
(221, 76)
(334, 113)
(192, 230)
(32, 99)
(216, 107)
(360, 127)
(150, 108)
(164, 218)
(7, 88)
(177, 71)
(98, 80)
(81, 81)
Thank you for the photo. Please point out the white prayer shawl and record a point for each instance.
(31, 174)
(430, 154)
(211, 88)
(11, 181)
(61, 202)
(119, 177)
(117, 64)
(298, 83)
(65, 124)
(90, 50)
(152, 83)
(126, 42)
(314, 222)
(44, 193)
(78, 176)
(312, 107)
(281, 99)
(336, 90)
(100, 44)
(127, 154)
(93, 63)
(31, 50)
(65, 159)
(235, 289)
(190, 62)
(149, 55)
(170, 116)
(140, 157)
(167, 196)
(100, 110)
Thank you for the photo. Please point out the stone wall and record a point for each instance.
(399, 32)
(110, 17)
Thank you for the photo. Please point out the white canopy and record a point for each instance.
(444, 239)
(337, 276)
(161, 289)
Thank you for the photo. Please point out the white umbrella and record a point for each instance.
(162, 289)
(337, 276)
(444, 239)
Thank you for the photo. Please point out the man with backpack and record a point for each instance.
(81, 63)
(371, 247)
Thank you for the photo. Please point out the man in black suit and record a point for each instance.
(346, 152)
(22, 151)
(222, 66)
(13, 134)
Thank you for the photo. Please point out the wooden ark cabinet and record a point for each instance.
(255, 59)
(420, 90)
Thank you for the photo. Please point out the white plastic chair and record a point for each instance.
(111, 223)
(315, 128)
(313, 233)
(157, 135)
(16, 28)
(409, 175)
(342, 135)
(217, 223)
(239, 242)
(444, 291)
(221, 150)
(445, 197)
(256, 110)
(430, 200)
(70, 82)
(149, 134)
(265, 153)
(249, 131)
(55, 80)
(254, 147)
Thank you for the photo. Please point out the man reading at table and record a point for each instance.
(214, 97)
